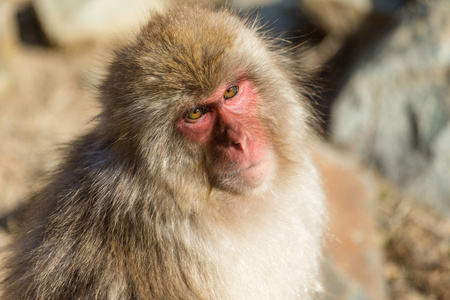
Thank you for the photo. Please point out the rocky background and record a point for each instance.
(382, 72)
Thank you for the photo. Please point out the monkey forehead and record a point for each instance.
(195, 49)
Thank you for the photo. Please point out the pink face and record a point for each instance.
(226, 124)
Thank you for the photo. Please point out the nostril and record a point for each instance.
(237, 138)
(237, 146)
(235, 135)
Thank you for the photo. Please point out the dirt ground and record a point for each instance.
(416, 244)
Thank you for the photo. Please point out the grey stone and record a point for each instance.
(434, 186)
(69, 22)
(337, 17)
(342, 17)
(396, 104)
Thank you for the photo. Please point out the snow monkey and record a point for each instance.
(195, 183)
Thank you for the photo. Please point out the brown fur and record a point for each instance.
(133, 213)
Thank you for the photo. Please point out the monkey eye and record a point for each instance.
(231, 92)
(196, 113)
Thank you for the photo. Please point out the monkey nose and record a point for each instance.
(237, 138)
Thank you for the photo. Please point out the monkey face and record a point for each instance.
(226, 124)
(209, 96)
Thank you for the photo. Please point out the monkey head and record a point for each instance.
(212, 93)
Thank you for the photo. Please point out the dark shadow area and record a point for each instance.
(10, 219)
(286, 20)
(337, 71)
(30, 30)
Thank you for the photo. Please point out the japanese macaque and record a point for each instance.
(196, 182)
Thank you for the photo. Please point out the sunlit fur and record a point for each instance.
(134, 212)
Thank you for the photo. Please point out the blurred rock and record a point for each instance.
(353, 268)
(30, 29)
(337, 17)
(339, 286)
(349, 27)
(433, 187)
(8, 43)
(343, 17)
(388, 6)
(69, 22)
(281, 18)
(393, 110)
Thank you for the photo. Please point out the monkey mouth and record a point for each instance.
(243, 170)
(235, 169)
(253, 175)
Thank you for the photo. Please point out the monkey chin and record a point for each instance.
(256, 174)
(246, 180)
